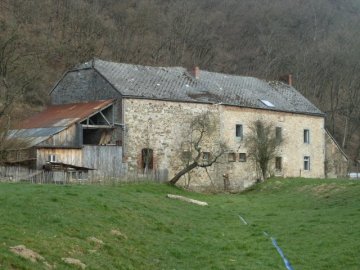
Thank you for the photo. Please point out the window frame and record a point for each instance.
(239, 131)
(242, 157)
(307, 163)
(306, 136)
(205, 156)
(278, 160)
(147, 153)
(231, 157)
(278, 134)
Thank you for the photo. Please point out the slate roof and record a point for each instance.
(55, 119)
(177, 84)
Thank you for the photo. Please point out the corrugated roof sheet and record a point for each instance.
(175, 83)
(62, 115)
(53, 120)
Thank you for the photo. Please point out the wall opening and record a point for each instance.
(278, 164)
(147, 159)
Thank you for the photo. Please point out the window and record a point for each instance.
(147, 158)
(83, 175)
(278, 163)
(306, 136)
(186, 155)
(231, 157)
(239, 131)
(278, 135)
(52, 158)
(206, 156)
(307, 163)
(242, 157)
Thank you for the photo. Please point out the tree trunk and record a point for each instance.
(187, 169)
(345, 132)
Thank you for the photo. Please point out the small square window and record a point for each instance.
(242, 157)
(307, 163)
(206, 156)
(186, 155)
(306, 136)
(231, 157)
(239, 131)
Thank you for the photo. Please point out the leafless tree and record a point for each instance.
(202, 131)
(262, 145)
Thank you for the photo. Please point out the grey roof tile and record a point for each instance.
(175, 83)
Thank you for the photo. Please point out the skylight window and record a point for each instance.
(267, 103)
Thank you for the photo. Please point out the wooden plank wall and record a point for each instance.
(67, 138)
(68, 156)
(106, 159)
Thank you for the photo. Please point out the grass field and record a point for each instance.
(315, 222)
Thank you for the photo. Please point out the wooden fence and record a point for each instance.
(21, 174)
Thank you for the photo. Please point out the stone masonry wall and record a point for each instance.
(162, 126)
(336, 163)
(292, 151)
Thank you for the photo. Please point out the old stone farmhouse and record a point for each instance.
(105, 116)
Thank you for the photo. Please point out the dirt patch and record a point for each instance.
(322, 190)
(95, 241)
(118, 234)
(26, 253)
(326, 189)
(74, 262)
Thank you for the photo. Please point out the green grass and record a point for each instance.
(315, 222)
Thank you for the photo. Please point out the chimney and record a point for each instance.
(195, 72)
(286, 79)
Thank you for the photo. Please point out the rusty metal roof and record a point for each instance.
(55, 119)
(63, 115)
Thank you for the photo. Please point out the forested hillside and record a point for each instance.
(317, 41)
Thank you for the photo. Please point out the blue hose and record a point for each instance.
(286, 262)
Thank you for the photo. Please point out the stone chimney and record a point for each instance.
(286, 79)
(195, 72)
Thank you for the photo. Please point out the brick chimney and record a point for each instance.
(195, 72)
(286, 79)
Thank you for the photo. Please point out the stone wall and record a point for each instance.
(336, 164)
(292, 151)
(163, 126)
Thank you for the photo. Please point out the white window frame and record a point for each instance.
(52, 158)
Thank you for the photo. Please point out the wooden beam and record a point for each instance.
(185, 199)
(97, 126)
(105, 118)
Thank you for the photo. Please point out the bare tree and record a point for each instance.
(15, 80)
(262, 145)
(202, 130)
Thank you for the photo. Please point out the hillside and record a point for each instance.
(315, 222)
(318, 42)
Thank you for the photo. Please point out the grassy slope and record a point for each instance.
(316, 223)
